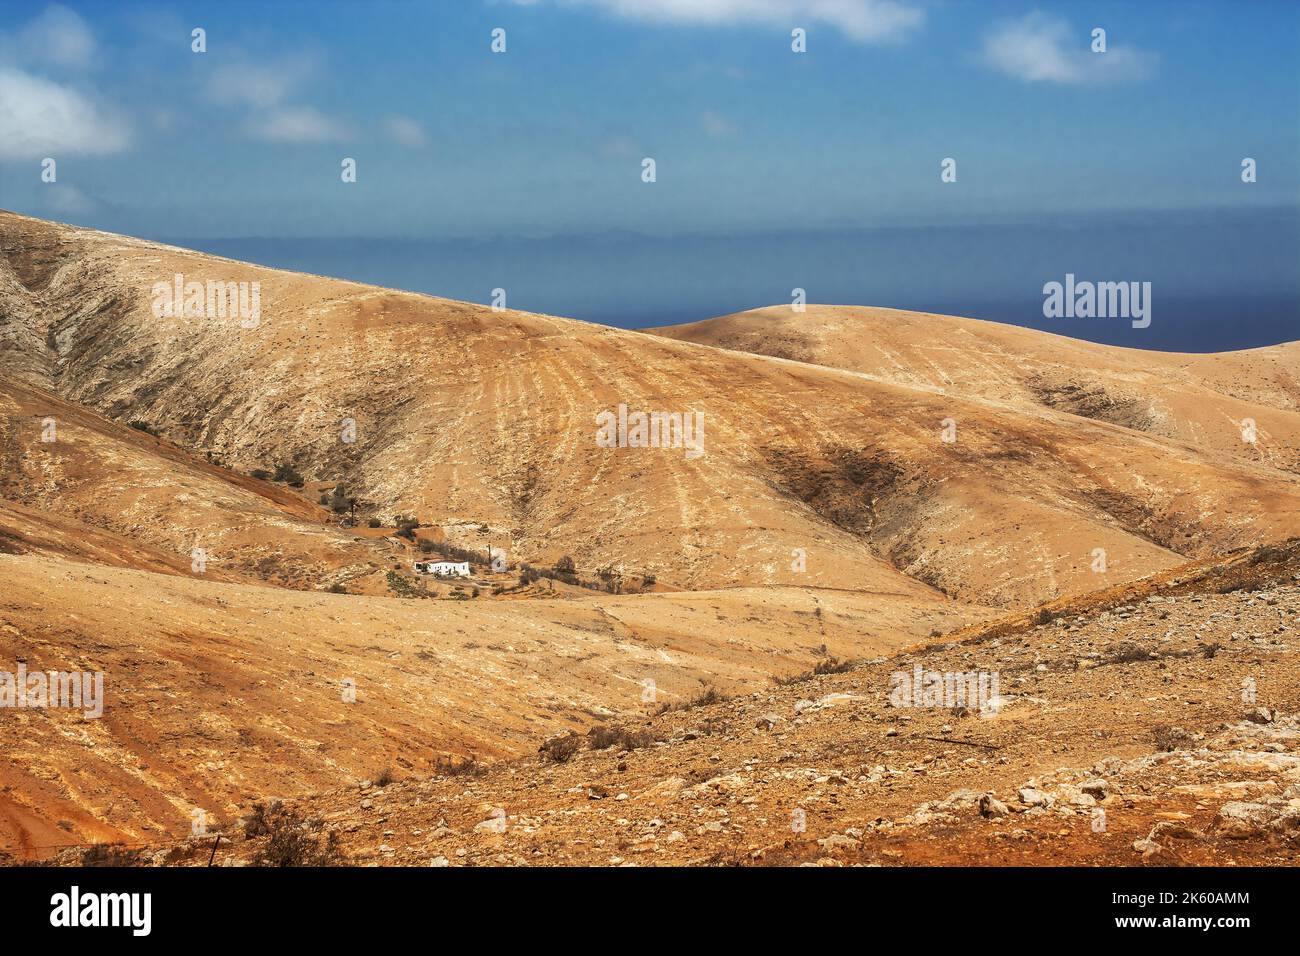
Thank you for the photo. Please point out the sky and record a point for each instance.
(774, 169)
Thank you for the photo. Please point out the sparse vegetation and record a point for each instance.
(287, 474)
(143, 427)
(112, 854)
(603, 736)
(464, 767)
(1125, 652)
(374, 523)
(560, 749)
(829, 666)
(291, 839)
(611, 579)
(709, 695)
(402, 586)
(1169, 739)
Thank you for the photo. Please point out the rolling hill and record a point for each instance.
(833, 513)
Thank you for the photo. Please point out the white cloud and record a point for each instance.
(406, 131)
(1042, 48)
(40, 118)
(295, 124)
(717, 125)
(861, 20)
(259, 85)
(58, 37)
(265, 90)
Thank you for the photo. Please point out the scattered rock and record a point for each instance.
(991, 806)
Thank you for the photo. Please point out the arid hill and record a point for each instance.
(468, 417)
(1200, 399)
(832, 514)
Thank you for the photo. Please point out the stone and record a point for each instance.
(1097, 789)
(991, 806)
(838, 841)
(1032, 797)
(1238, 820)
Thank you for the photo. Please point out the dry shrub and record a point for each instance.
(560, 749)
(112, 854)
(602, 737)
(1169, 739)
(291, 839)
(464, 767)
(828, 666)
(1126, 652)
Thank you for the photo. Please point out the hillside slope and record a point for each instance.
(1199, 399)
(218, 693)
(1121, 738)
(470, 417)
(69, 465)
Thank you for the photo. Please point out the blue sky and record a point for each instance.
(545, 141)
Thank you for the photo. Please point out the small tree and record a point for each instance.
(286, 473)
(565, 565)
(406, 525)
(339, 499)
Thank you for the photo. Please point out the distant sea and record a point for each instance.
(1220, 279)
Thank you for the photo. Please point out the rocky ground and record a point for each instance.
(1162, 727)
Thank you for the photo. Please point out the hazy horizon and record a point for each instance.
(1215, 290)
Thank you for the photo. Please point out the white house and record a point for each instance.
(443, 568)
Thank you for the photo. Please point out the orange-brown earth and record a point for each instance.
(1200, 399)
(828, 517)
(1157, 723)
